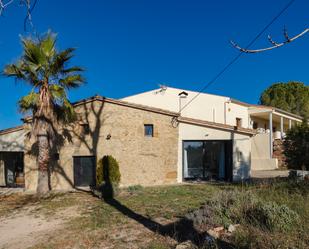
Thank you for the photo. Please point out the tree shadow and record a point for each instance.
(182, 230)
(89, 115)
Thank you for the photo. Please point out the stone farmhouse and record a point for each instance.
(158, 137)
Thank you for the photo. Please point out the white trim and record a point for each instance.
(271, 134)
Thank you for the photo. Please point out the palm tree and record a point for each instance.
(45, 69)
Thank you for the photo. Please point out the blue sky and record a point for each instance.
(132, 46)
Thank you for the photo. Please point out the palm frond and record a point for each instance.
(72, 70)
(29, 102)
(14, 70)
(72, 81)
(47, 45)
(65, 112)
(58, 92)
(33, 53)
(42, 64)
(59, 60)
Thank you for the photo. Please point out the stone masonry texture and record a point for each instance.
(115, 130)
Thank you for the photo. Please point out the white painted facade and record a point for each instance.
(241, 147)
(12, 141)
(207, 107)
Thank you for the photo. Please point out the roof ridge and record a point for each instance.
(125, 103)
(12, 129)
(216, 125)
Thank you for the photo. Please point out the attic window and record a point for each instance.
(148, 130)
(238, 122)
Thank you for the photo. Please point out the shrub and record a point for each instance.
(244, 207)
(272, 216)
(296, 147)
(108, 171)
(230, 206)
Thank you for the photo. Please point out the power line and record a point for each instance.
(240, 54)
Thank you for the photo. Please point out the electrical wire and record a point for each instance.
(239, 54)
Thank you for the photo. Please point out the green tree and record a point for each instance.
(292, 97)
(45, 69)
(296, 147)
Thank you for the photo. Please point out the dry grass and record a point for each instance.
(104, 225)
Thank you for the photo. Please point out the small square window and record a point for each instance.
(85, 129)
(255, 125)
(148, 128)
(238, 122)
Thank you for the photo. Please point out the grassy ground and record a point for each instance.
(147, 217)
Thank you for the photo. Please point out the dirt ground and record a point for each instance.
(25, 220)
(21, 229)
(66, 220)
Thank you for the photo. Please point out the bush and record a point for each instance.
(108, 171)
(231, 207)
(272, 216)
(296, 147)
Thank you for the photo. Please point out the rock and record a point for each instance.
(213, 233)
(186, 245)
(232, 228)
(298, 174)
(218, 229)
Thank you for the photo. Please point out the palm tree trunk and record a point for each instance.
(43, 164)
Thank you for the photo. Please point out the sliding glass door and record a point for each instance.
(207, 160)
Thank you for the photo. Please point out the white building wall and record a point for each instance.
(260, 157)
(241, 147)
(13, 141)
(207, 107)
(234, 111)
(10, 142)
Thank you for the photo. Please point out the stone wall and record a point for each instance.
(116, 130)
(278, 153)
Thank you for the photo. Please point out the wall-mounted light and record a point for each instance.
(108, 137)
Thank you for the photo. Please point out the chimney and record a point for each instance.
(182, 100)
